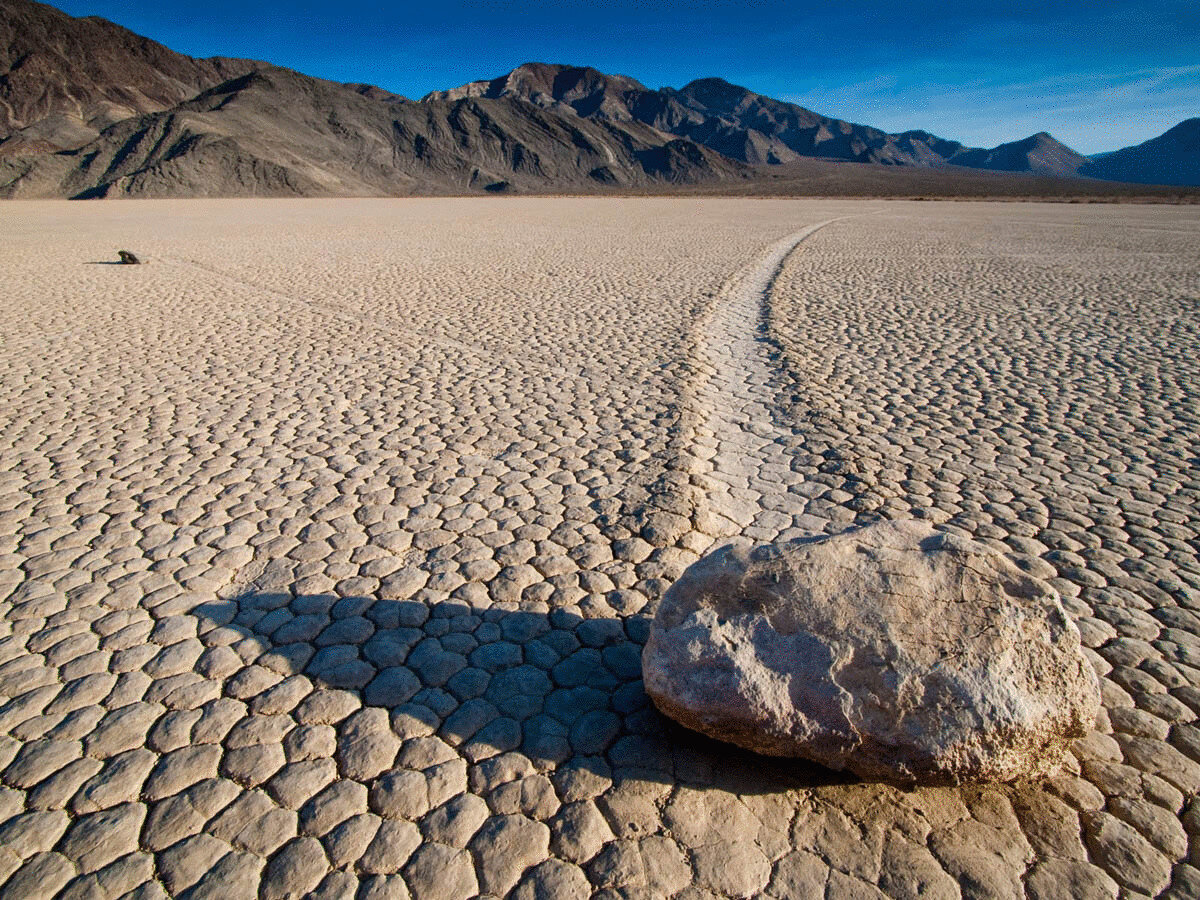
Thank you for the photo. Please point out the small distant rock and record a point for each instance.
(894, 652)
(128, 258)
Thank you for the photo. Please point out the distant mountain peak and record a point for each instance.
(586, 90)
(1187, 130)
(714, 84)
(1040, 153)
(1171, 158)
(718, 95)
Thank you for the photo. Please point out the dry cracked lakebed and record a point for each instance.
(331, 534)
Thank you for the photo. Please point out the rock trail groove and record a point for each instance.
(748, 485)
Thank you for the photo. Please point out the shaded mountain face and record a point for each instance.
(71, 78)
(274, 132)
(1171, 158)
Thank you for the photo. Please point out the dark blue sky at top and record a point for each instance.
(1098, 75)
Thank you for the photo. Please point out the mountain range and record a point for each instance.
(90, 109)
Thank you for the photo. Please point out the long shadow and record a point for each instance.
(563, 691)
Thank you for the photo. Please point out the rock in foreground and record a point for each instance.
(894, 652)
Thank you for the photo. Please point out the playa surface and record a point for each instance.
(330, 535)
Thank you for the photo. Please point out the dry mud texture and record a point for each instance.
(331, 535)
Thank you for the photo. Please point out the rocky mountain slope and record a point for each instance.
(63, 79)
(233, 139)
(89, 109)
(1171, 158)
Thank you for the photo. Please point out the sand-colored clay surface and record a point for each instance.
(328, 537)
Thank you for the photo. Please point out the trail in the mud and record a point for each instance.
(744, 444)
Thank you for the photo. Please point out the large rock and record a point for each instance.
(893, 651)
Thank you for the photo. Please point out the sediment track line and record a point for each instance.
(742, 442)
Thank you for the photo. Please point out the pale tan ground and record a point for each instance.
(330, 535)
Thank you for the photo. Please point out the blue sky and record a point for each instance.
(1097, 75)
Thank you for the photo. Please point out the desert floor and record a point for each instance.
(330, 536)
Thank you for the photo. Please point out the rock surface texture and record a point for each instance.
(893, 651)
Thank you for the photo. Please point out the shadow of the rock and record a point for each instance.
(558, 689)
